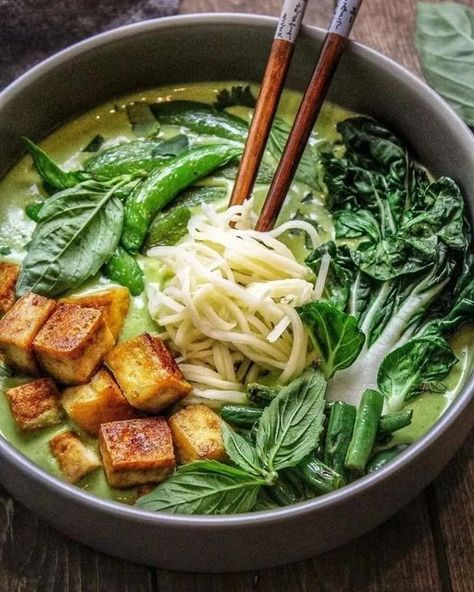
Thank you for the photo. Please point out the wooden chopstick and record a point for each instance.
(332, 49)
(268, 98)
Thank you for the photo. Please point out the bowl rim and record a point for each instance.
(301, 509)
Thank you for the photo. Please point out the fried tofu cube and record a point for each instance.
(196, 432)
(18, 329)
(75, 459)
(35, 405)
(136, 451)
(147, 373)
(72, 343)
(9, 273)
(114, 304)
(97, 402)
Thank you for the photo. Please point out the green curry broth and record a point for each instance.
(22, 185)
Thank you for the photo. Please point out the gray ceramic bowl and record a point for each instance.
(219, 47)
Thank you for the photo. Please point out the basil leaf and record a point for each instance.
(51, 173)
(78, 230)
(241, 451)
(445, 43)
(291, 425)
(334, 333)
(95, 144)
(240, 96)
(204, 487)
(142, 119)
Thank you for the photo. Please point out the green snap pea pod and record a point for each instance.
(319, 476)
(170, 225)
(265, 173)
(395, 421)
(241, 416)
(123, 269)
(338, 435)
(162, 185)
(132, 157)
(365, 430)
(385, 456)
(201, 119)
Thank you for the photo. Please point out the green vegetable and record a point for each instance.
(319, 476)
(204, 487)
(396, 421)
(241, 416)
(142, 120)
(365, 430)
(291, 425)
(229, 171)
(95, 144)
(289, 428)
(5, 371)
(155, 192)
(402, 266)
(334, 333)
(4, 250)
(170, 225)
(78, 230)
(445, 44)
(309, 170)
(282, 492)
(124, 269)
(240, 96)
(136, 157)
(338, 435)
(201, 119)
(32, 210)
(51, 173)
(385, 456)
(261, 394)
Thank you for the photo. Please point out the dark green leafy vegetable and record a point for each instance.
(32, 210)
(142, 119)
(95, 144)
(365, 430)
(124, 269)
(201, 119)
(448, 65)
(242, 452)
(237, 96)
(204, 487)
(51, 173)
(78, 230)
(138, 157)
(291, 425)
(334, 333)
(339, 435)
(385, 456)
(155, 192)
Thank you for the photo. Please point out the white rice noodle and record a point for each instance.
(228, 311)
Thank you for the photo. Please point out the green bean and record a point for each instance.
(201, 119)
(134, 157)
(283, 492)
(338, 435)
(385, 456)
(395, 421)
(123, 269)
(365, 430)
(155, 192)
(260, 394)
(241, 416)
(319, 476)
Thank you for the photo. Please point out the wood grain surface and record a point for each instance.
(427, 547)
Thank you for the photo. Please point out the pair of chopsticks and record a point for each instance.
(269, 96)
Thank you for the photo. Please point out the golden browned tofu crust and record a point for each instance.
(196, 431)
(75, 459)
(147, 373)
(136, 451)
(72, 343)
(18, 329)
(114, 303)
(97, 402)
(9, 273)
(35, 405)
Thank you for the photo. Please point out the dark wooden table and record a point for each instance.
(427, 547)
